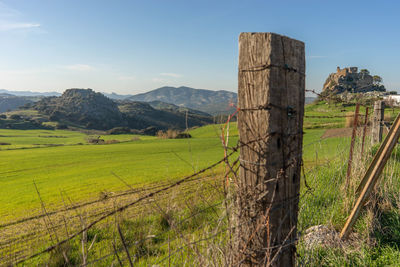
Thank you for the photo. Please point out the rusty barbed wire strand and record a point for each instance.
(167, 187)
(124, 207)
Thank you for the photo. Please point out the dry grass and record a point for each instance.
(350, 120)
(169, 134)
(192, 198)
(388, 117)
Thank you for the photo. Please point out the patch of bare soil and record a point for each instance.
(339, 132)
(346, 132)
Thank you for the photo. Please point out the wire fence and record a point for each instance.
(187, 221)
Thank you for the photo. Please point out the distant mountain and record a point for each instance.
(87, 109)
(174, 108)
(140, 115)
(116, 96)
(10, 102)
(29, 93)
(212, 102)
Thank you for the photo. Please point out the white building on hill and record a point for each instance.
(393, 99)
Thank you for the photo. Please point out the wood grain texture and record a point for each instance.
(377, 122)
(271, 102)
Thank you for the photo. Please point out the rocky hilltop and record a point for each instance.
(351, 81)
(84, 108)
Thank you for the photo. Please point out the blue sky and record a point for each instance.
(135, 46)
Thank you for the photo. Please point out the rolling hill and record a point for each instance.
(212, 102)
(85, 108)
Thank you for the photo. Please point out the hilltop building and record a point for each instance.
(352, 81)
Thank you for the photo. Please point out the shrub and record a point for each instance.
(119, 130)
(169, 134)
(172, 134)
(150, 130)
(95, 140)
(61, 126)
(3, 116)
(183, 135)
(15, 117)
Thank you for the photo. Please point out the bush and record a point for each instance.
(15, 117)
(61, 126)
(183, 135)
(119, 130)
(172, 134)
(3, 116)
(169, 134)
(150, 130)
(95, 140)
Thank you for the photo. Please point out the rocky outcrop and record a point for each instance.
(88, 109)
(351, 81)
(84, 107)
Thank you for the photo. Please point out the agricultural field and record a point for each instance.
(41, 168)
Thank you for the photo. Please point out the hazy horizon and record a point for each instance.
(111, 91)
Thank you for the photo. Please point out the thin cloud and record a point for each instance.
(10, 20)
(174, 75)
(79, 67)
(126, 78)
(17, 26)
(158, 80)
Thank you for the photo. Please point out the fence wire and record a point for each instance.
(75, 220)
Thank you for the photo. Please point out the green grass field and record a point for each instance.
(82, 171)
(63, 161)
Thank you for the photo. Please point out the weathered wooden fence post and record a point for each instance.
(270, 122)
(377, 122)
(364, 130)
(353, 139)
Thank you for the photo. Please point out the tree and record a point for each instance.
(364, 71)
(376, 79)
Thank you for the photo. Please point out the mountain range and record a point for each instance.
(212, 102)
(84, 108)
(162, 108)
(208, 101)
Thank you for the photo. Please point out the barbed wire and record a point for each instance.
(124, 207)
(162, 188)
